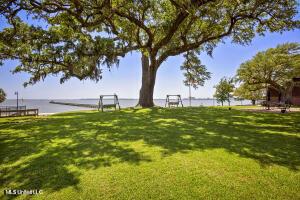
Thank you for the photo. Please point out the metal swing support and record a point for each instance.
(114, 105)
(176, 102)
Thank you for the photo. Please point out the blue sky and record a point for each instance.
(126, 79)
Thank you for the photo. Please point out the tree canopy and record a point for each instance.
(194, 72)
(274, 67)
(249, 92)
(2, 95)
(75, 38)
(224, 90)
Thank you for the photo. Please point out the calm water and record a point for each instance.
(45, 107)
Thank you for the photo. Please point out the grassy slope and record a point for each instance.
(160, 153)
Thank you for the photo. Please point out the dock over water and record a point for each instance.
(75, 104)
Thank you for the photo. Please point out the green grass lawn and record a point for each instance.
(186, 153)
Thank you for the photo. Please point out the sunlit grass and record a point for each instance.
(186, 153)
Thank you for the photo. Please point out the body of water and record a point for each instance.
(45, 107)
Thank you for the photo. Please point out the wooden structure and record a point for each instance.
(295, 100)
(6, 108)
(175, 101)
(14, 111)
(115, 104)
(274, 97)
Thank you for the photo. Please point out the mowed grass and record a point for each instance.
(184, 153)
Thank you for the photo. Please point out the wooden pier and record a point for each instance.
(76, 104)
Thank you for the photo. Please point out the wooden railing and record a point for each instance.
(5, 108)
(16, 113)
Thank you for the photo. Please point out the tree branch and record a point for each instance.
(172, 30)
(137, 23)
(188, 47)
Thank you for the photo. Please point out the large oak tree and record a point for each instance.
(250, 92)
(275, 67)
(75, 38)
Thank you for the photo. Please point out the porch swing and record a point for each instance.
(175, 100)
(115, 104)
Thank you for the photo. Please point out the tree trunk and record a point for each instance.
(284, 91)
(148, 82)
(253, 102)
(190, 95)
(288, 94)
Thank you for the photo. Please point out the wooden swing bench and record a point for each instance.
(114, 105)
(173, 102)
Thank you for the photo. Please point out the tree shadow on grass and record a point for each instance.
(267, 138)
(48, 153)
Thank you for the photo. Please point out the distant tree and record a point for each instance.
(240, 99)
(249, 92)
(2, 95)
(194, 72)
(274, 68)
(224, 90)
(75, 38)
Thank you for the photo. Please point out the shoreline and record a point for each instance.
(47, 114)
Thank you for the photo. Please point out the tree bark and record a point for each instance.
(288, 93)
(253, 101)
(148, 82)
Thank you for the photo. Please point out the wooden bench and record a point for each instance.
(173, 103)
(109, 105)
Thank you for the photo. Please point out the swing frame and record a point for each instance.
(103, 106)
(173, 103)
